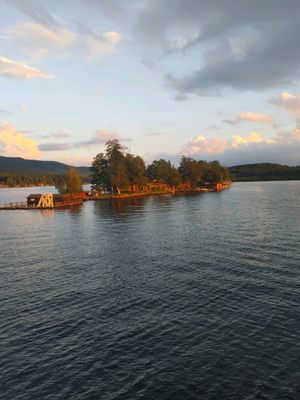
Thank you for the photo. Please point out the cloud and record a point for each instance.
(248, 117)
(284, 147)
(54, 146)
(60, 134)
(36, 10)
(292, 136)
(37, 40)
(227, 45)
(213, 127)
(101, 44)
(74, 160)
(23, 107)
(200, 144)
(111, 8)
(5, 112)
(288, 101)
(14, 69)
(100, 137)
(16, 144)
(39, 10)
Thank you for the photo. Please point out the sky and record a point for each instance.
(216, 79)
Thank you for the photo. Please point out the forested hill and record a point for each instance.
(16, 171)
(17, 165)
(264, 172)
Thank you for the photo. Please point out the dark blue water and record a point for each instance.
(185, 297)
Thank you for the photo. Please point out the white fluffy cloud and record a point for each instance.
(200, 144)
(282, 148)
(15, 144)
(15, 69)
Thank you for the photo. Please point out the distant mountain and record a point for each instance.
(264, 172)
(21, 166)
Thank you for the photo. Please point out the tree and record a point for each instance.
(74, 183)
(213, 172)
(99, 173)
(117, 168)
(61, 183)
(191, 170)
(135, 169)
(109, 170)
(164, 171)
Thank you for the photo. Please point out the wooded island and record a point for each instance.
(117, 172)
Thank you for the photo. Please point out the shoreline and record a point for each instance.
(123, 196)
(235, 181)
(154, 193)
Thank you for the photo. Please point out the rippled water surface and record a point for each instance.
(185, 297)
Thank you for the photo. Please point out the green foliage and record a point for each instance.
(191, 170)
(15, 180)
(30, 168)
(117, 166)
(74, 183)
(109, 171)
(113, 171)
(16, 171)
(136, 169)
(213, 172)
(164, 171)
(99, 173)
(71, 183)
(264, 172)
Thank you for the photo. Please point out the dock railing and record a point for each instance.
(15, 205)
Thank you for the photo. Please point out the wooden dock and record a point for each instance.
(44, 201)
(24, 206)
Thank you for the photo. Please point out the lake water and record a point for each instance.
(167, 297)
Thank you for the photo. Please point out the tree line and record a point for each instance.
(264, 172)
(16, 180)
(115, 171)
(67, 183)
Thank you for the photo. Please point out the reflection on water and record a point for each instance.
(164, 297)
(46, 213)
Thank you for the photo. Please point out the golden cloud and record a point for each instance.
(15, 144)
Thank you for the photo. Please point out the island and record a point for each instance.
(117, 174)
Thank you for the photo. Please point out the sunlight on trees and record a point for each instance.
(115, 171)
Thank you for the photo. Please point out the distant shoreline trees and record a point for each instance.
(116, 171)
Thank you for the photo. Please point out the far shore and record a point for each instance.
(29, 186)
